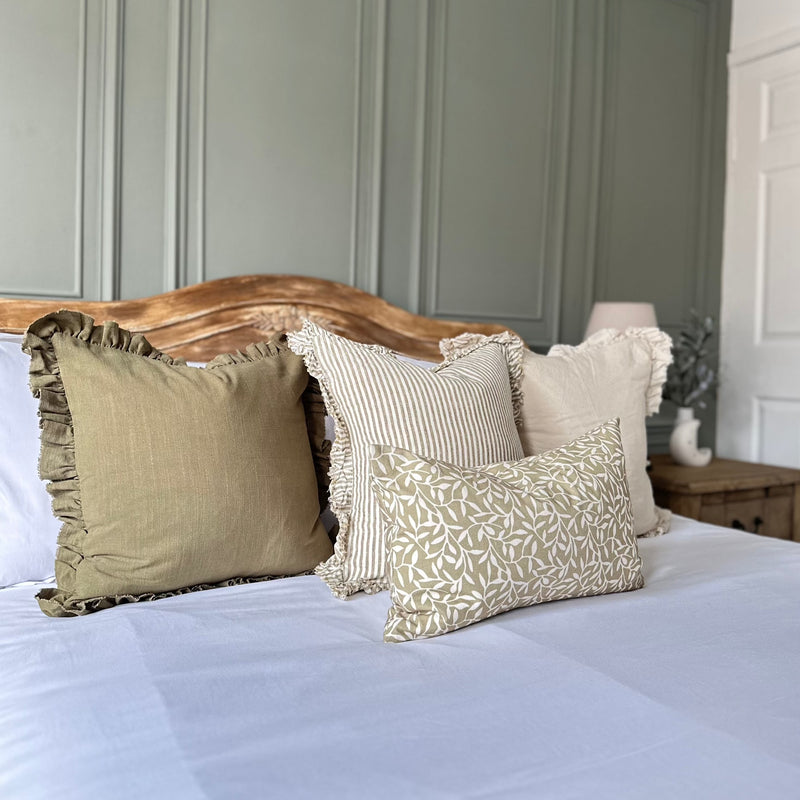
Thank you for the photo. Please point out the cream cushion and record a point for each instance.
(573, 389)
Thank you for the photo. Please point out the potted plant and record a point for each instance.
(689, 380)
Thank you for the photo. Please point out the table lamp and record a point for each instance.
(620, 316)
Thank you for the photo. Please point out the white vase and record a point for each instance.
(683, 441)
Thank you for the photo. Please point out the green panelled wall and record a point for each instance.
(506, 160)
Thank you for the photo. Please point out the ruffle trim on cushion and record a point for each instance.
(257, 351)
(657, 341)
(663, 524)
(56, 603)
(57, 459)
(466, 343)
(340, 497)
(450, 347)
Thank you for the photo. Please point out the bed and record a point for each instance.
(685, 688)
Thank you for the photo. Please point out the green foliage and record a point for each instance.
(690, 377)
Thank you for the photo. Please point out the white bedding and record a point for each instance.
(688, 688)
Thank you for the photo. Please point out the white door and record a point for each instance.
(759, 393)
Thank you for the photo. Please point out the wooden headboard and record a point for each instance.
(224, 315)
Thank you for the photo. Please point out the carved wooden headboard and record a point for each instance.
(224, 315)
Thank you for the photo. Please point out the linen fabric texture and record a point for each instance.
(462, 410)
(168, 478)
(469, 543)
(613, 374)
(28, 529)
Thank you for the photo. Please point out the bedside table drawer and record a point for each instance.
(765, 511)
(758, 498)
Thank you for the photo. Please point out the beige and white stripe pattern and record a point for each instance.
(461, 411)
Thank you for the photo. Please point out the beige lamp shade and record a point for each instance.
(620, 316)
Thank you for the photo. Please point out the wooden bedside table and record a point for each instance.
(736, 494)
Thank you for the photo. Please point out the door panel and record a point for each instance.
(759, 398)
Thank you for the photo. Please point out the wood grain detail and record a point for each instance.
(796, 514)
(200, 321)
(754, 497)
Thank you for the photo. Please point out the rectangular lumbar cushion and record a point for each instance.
(166, 477)
(468, 543)
(462, 410)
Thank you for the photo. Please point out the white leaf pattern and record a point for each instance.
(469, 543)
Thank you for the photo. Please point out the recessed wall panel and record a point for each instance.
(495, 105)
(650, 206)
(280, 140)
(41, 82)
(144, 143)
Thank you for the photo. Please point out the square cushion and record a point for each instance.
(573, 389)
(169, 478)
(468, 543)
(461, 410)
(28, 529)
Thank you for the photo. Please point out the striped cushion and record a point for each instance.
(462, 411)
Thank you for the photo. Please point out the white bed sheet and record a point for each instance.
(688, 688)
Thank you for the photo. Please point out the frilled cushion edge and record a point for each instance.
(57, 458)
(466, 343)
(658, 343)
(662, 526)
(332, 571)
(56, 603)
(514, 349)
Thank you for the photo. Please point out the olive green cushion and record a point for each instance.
(468, 543)
(166, 477)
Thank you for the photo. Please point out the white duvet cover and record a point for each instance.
(688, 688)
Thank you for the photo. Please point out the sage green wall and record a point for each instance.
(506, 160)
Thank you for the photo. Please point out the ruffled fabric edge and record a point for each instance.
(662, 526)
(340, 496)
(302, 342)
(658, 343)
(56, 603)
(467, 343)
(57, 463)
(57, 456)
(449, 347)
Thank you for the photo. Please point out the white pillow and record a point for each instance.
(28, 529)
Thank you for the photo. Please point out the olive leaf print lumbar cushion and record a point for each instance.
(468, 543)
